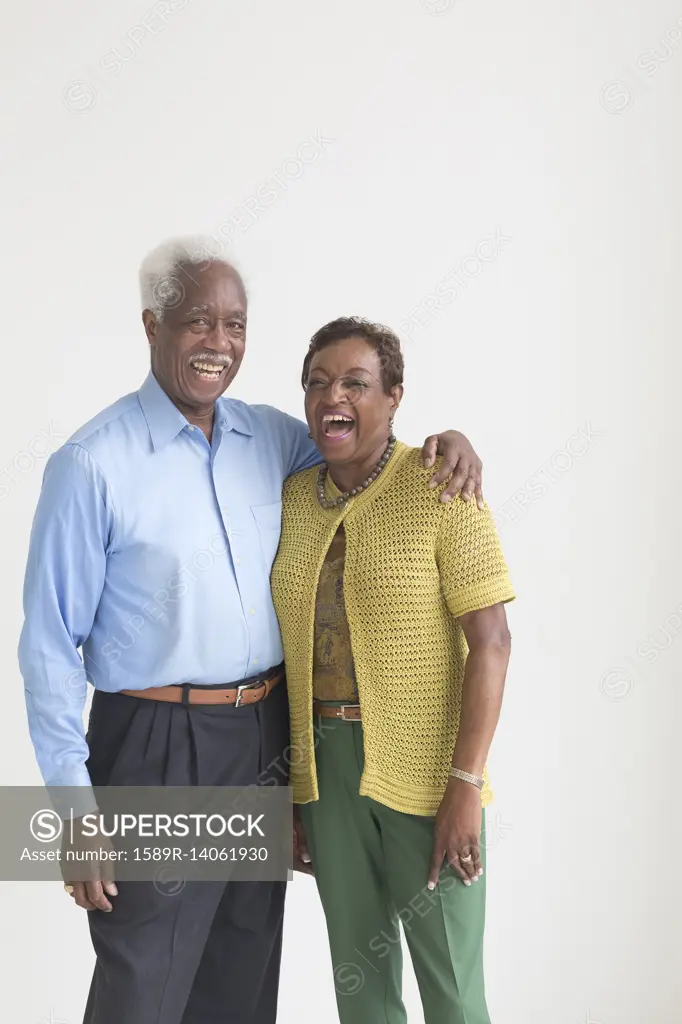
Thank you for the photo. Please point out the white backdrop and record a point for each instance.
(359, 158)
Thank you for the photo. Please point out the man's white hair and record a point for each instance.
(165, 271)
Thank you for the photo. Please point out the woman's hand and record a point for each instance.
(457, 835)
(460, 460)
(302, 860)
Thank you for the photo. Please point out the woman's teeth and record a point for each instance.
(334, 425)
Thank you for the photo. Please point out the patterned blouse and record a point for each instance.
(333, 668)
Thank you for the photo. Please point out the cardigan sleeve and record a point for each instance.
(472, 568)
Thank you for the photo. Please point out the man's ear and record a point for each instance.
(150, 325)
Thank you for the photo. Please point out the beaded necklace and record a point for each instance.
(343, 498)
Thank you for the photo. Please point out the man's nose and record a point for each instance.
(219, 337)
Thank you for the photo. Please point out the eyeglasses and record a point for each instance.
(352, 388)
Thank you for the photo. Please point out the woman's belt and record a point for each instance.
(249, 692)
(343, 712)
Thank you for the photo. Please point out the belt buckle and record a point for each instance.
(342, 709)
(240, 689)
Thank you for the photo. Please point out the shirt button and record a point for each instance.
(252, 611)
(255, 661)
(191, 427)
(237, 561)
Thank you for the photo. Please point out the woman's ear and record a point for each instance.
(396, 395)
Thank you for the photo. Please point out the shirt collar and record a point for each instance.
(233, 416)
(165, 421)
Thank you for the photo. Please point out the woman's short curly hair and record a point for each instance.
(383, 340)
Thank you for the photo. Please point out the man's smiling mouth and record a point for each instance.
(208, 369)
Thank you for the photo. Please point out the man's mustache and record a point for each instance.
(211, 357)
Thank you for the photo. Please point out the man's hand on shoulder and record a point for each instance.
(460, 462)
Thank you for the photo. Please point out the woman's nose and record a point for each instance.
(337, 390)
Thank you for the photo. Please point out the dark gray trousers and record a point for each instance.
(209, 953)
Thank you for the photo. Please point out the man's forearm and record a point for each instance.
(482, 692)
(61, 750)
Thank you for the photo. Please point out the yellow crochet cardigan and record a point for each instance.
(413, 564)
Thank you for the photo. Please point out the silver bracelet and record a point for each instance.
(475, 780)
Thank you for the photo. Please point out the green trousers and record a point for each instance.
(371, 866)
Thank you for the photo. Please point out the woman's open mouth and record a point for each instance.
(337, 425)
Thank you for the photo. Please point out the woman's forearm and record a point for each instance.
(482, 691)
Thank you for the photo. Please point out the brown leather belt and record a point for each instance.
(344, 712)
(247, 693)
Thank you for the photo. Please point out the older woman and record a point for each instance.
(391, 606)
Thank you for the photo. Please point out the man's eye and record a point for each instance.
(199, 320)
(237, 325)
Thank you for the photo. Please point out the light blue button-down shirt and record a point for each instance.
(152, 550)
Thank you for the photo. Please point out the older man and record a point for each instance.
(151, 550)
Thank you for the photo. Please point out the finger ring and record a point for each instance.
(468, 857)
(70, 889)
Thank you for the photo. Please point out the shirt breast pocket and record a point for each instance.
(269, 523)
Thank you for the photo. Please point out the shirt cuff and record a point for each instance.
(72, 794)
